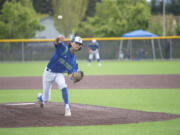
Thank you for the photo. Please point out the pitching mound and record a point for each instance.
(31, 115)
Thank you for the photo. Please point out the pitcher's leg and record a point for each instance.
(65, 96)
(60, 80)
(46, 91)
(48, 79)
(66, 102)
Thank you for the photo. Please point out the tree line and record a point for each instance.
(171, 8)
(87, 18)
(18, 19)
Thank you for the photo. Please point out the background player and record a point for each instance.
(93, 50)
(61, 62)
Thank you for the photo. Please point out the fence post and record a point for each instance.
(153, 49)
(120, 50)
(170, 49)
(160, 49)
(22, 51)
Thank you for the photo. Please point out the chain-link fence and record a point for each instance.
(110, 49)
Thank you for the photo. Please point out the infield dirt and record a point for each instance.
(53, 114)
(99, 82)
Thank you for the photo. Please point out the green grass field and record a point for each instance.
(156, 100)
(108, 67)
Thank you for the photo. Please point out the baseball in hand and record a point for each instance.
(60, 38)
(60, 17)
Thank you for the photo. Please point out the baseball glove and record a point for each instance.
(77, 76)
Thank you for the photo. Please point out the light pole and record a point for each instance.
(164, 18)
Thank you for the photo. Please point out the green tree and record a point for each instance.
(72, 11)
(174, 7)
(113, 18)
(155, 8)
(43, 6)
(26, 3)
(155, 25)
(1, 3)
(18, 21)
(91, 9)
(178, 29)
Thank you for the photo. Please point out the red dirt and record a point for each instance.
(99, 82)
(53, 115)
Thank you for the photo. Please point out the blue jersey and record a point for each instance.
(93, 46)
(63, 60)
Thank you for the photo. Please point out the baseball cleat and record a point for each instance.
(42, 105)
(40, 101)
(67, 112)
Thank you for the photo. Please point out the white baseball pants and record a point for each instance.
(94, 53)
(48, 79)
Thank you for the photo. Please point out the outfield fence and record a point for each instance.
(117, 48)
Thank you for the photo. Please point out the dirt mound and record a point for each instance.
(31, 115)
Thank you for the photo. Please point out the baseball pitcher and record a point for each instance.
(63, 61)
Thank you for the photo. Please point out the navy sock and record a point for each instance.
(65, 95)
